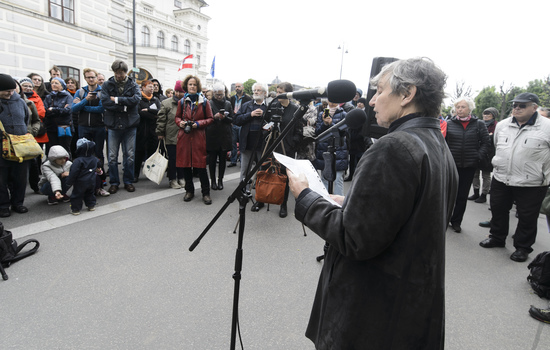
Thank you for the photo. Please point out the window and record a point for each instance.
(198, 46)
(198, 61)
(70, 72)
(177, 3)
(187, 48)
(129, 32)
(160, 40)
(175, 43)
(148, 10)
(145, 36)
(62, 10)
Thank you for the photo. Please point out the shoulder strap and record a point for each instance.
(27, 253)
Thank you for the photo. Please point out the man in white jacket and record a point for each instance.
(521, 175)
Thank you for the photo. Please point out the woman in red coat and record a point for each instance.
(193, 116)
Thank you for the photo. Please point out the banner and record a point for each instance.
(186, 63)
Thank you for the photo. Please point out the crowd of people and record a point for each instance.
(383, 220)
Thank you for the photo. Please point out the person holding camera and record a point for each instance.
(218, 135)
(193, 115)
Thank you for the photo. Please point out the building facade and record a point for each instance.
(74, 34)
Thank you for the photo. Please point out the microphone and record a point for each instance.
(353, 120)
(337, 91)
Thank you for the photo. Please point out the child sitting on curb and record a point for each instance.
(83, 175)
(55, 170)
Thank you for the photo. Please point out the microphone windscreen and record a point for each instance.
(356, 118)
(340, 91)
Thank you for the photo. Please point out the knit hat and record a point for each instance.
(26, 80)
(362, 100)
(81, 142)
(491, 110)
(61, 81)
(178, 86)
(360, 92)
(6, 82)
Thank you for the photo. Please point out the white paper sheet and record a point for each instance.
(304, 166)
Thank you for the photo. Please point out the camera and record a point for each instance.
(188, 126)
(276, 113)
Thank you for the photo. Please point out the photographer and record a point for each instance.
(218, 135)
(193, 115)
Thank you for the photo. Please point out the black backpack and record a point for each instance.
(9, 250)
(539, 277)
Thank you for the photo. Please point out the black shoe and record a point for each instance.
(4, 212)
(474, 196)
(257, 206)
(213, 186)
(206, 199)
(232, 165)
(519, 255)
(113, 189)
(136, 179)
(282, 212)
(129, 187)
(188, 196)
(491, 243)
(482, 198)
(21, 209)
(456, 228)
(220, 184)
(485, 224)
(542, 315)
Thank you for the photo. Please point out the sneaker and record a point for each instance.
(174, 184)
(52, 200)
(181, 182)
(542, 315)
(66, 198)
(75, 212)
(101, 192)
(91, 208)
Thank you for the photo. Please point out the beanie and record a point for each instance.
(491, 110)
(178, 86)
(81, 142)
(61, 81)
(362, 100)
(26, 80)
(6, 82)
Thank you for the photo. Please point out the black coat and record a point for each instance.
(294, 136)
(382, 283)
(124, 114)
(219, 133)
(468, 146)
(341, 150)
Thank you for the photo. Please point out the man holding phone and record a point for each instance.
(88, 105)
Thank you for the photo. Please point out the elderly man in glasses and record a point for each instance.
(521, 174)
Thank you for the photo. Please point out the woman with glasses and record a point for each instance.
(469, 142)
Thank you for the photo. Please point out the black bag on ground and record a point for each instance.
(10, 251)
(539, 277)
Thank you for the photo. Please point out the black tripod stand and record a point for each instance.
(239, 194)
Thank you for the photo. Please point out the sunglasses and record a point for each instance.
(520, 105)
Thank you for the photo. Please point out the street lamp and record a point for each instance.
(342, 61)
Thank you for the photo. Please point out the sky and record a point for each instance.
(481, 43)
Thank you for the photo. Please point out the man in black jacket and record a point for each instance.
(237, 101)
(120, 97)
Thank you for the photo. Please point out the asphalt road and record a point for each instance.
(122, 277)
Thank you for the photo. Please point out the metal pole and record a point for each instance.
(134, 38)
(342, 61)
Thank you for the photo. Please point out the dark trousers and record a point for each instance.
(528, 201)
(203, 176)
(83, 191)
(213, 158)
(465, 178)
(353, 160)
(13, 183)
(174, 173)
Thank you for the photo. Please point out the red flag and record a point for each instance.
(186, 63)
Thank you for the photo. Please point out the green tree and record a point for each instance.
(541, 88)
(487, 97)
(247, 85)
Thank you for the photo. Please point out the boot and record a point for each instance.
(220, 184)
(475, 195)
(213, 185)
(482, 198)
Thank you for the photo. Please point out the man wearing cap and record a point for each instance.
(521, 175)
(14, 115)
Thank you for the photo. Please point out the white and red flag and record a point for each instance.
(186, 63)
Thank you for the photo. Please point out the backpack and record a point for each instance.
(539, 276)
(9, 250)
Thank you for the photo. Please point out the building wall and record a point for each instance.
(32, 41)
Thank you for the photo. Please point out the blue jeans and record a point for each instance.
(127, 139)
(96, 134)
(47, 188)
(234, 139)
(337, 185)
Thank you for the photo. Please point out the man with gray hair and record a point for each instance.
(249, 118)
(120, 96)
(521, 175)
(383, 280)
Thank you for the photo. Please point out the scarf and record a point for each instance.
(332, 111)
(72, 92)
(146, 97)
(465, 119)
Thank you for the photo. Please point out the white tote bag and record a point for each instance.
(156, 165)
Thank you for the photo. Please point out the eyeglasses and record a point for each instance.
(520, 105)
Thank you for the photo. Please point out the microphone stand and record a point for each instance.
(239, 194)
(329, 172)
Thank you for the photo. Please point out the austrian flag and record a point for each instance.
(186, 63)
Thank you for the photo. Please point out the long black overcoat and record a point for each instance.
(382, 283)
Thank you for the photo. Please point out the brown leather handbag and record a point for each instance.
(270, 183)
